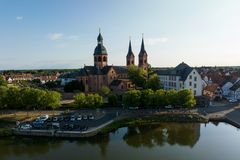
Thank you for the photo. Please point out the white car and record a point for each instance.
(168, 107)
(26, 126)
(79, 118)
(233, 100)
(72, 118)
(44, 117)
(91, 117)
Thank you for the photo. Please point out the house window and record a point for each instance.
(190, 83)
(195, 92)
(195, 78)
(195, 85)
(190, 77)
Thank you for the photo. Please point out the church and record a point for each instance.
(101, 74)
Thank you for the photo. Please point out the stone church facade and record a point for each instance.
(101, 74)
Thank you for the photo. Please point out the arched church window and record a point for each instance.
(104, 59)
(99, 59)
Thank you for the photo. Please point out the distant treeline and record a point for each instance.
(39, 71)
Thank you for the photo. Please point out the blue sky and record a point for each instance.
(62, 33)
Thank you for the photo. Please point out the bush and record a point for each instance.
(88, 101)
(112, 100)
(132, 98)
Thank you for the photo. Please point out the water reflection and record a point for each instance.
(19, 146)
(186, 134)
(150, 136)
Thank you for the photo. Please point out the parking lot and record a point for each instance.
(76, 121)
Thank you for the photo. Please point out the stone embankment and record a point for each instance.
(57, 133)
(231, 116)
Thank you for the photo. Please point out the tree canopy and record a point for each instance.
(148, 97)
(28, 98)
(88, 100)
(137, 75)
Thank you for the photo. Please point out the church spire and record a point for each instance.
(142, 57)
(142, 51)
(100, 38)
(130, 52)
(130, 56)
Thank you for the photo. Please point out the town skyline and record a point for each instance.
(62, 35)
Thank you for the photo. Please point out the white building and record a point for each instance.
(235, 90)
(226, 88)
(181, 77)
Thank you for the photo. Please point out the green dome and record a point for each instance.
(100, 49)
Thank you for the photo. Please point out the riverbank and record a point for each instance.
(124, 118)
(153, 119)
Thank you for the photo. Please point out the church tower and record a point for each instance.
(130, 56)
(142, 57)
(100, 53)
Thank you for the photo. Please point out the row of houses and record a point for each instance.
(16, 77)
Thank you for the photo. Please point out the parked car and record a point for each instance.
(85, 117)
(60, 119)
(66, 119)
(233, 100)
(91, 117)
(56, 125)
(44, 117)
(79, 118)
(26, 126)
(168, 107)
(55, 119)
(72, 118)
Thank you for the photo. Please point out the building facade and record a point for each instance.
(101, 74)
(181, 77)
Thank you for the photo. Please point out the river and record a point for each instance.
(165, 141)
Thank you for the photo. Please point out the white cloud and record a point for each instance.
(55, 36)
(19, 18)
(73, 37)
(60, 46)
(155, 41)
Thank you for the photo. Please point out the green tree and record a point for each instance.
(160, 97)
(186, 98)
(153, 82)
(3, 94)
(80, 100)
(2, 81)
(171, 97)
(147, 97)
(112, 100)
(137, 76)
(132, 98)
(105, 91)
(52, 99)
(89, 100)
